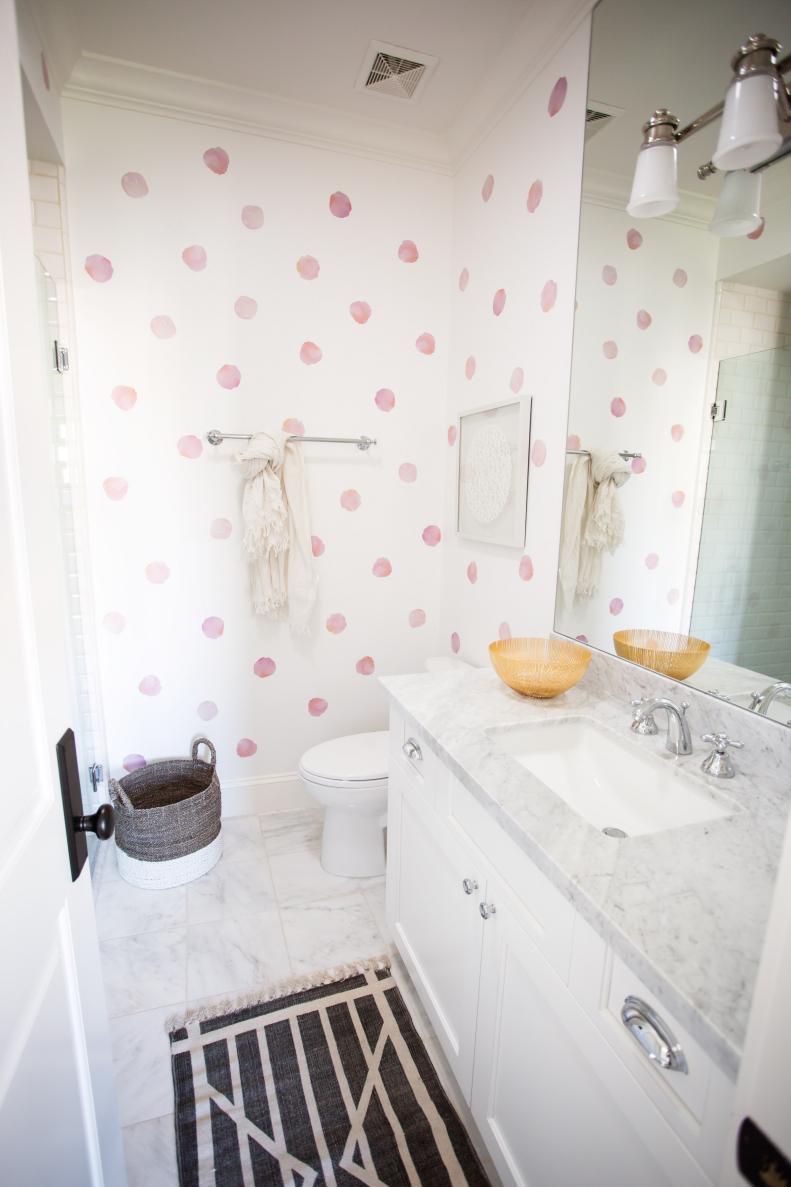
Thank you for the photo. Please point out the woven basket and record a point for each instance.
(167, 820)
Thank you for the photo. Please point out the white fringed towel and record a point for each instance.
(277, 540)
(576, 499)
(604, 522)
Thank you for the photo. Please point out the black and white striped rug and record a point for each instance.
(328, 1086)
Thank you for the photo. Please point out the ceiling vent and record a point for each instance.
(598, 116)
(394, 72)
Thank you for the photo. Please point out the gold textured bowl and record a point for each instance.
(539, 667)
(678, 656)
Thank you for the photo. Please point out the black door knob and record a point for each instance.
(102, 822)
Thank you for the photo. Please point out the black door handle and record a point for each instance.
(102, 822)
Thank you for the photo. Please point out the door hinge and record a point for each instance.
(61, 356)
(719, 411)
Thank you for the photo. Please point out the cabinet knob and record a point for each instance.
(653, 1034)
(487, 910)
(412, 750)
(469, 885)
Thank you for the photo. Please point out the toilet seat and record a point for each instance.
(358, 761)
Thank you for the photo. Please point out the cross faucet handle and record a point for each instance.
(718, 763)
(722, 742)
(643, 723)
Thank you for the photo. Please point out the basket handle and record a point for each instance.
(201, 741)
(117, 794)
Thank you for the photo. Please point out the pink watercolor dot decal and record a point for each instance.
(469, 367)
(308, 267)
(643, 319)
(417, 618)
(672, 596)
(114, 622)
(265, 666)
(609, 274)
(212, 627)
(659, 377)
(487, 188)
(581, 638)
(408, 252)
(162, 326)
(617, 406)
(759, 230)
(431, 535)
(115, 488)
(135, 185)
(350, 500)
(246, 747)
(453, 433)
(293, 427)
(384, 400)
(381, 567)
(616, 605)
(464, 279)
(549, 295)
(340, 205)
(317, 546)
(98, 268)
(252, 217)
(695, 344)
(360, 311)
(534, 196)
(195, 257)
(652, 560)
(472, 572)
(677, 432)
(220, 529)
(680, 278)
(516, 380)
(504, 631)
(557, 96)
(638, 465)
(538, 454)
(573, 441)
(245, 307)
(498, 302)
(190, 447)
(157, 572)
(425, 343)
(217, 160)
(207, 710)
(150, 686)
(229, 376)
(310, 353)
(677, 498)
(124, 398)
(455, 643)
(609, 349)
(365, 666)
(633, 239)
(336, 624)
(526, 569)
(407, 472)
(134, 762)
(317, 706)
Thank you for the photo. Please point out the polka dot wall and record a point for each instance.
(233, 282)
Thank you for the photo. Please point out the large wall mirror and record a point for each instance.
(676, 537)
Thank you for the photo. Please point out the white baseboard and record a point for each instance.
(267, 793)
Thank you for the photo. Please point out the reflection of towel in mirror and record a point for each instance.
(577, 496)
(604, 523)
(277, 529)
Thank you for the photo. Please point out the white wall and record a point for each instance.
(155, 630)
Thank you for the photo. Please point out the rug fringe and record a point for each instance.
(260, 997)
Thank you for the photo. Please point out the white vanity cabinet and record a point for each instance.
(525, 999)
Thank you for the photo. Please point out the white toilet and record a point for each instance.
(349, 777)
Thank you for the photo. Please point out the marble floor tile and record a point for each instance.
(242, 839)
(329, 932)
(235, 955)
(124, 910)
(150, 1149)
(141, 1059)
(300, 878)
(283, 832)
(232, 888)
(145, 971)
(375, 898)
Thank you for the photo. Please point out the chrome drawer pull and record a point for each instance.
(487, 910)
(469, 885)
(654, 1036)
(412, 750)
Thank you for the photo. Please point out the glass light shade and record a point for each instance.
(739, 208)
(654, 189)
(749, 131)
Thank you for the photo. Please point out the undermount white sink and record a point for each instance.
(603, 779)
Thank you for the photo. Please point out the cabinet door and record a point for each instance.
(436, 925)
(553, 1103)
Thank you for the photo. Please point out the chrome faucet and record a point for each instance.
(679, 739)
(761, 701)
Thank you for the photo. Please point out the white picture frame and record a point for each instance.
(492, 470)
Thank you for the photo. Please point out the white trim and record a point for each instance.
(265, 794)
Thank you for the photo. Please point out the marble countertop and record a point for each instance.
(686, 908)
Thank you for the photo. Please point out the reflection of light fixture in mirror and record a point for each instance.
(749, 131)
(654, 190)
(739, 208)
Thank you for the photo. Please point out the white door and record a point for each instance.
(58, 1116)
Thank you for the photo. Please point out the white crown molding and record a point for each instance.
(602, 188)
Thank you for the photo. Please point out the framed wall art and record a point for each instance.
(493, 463)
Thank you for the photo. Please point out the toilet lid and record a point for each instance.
(360, 757)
